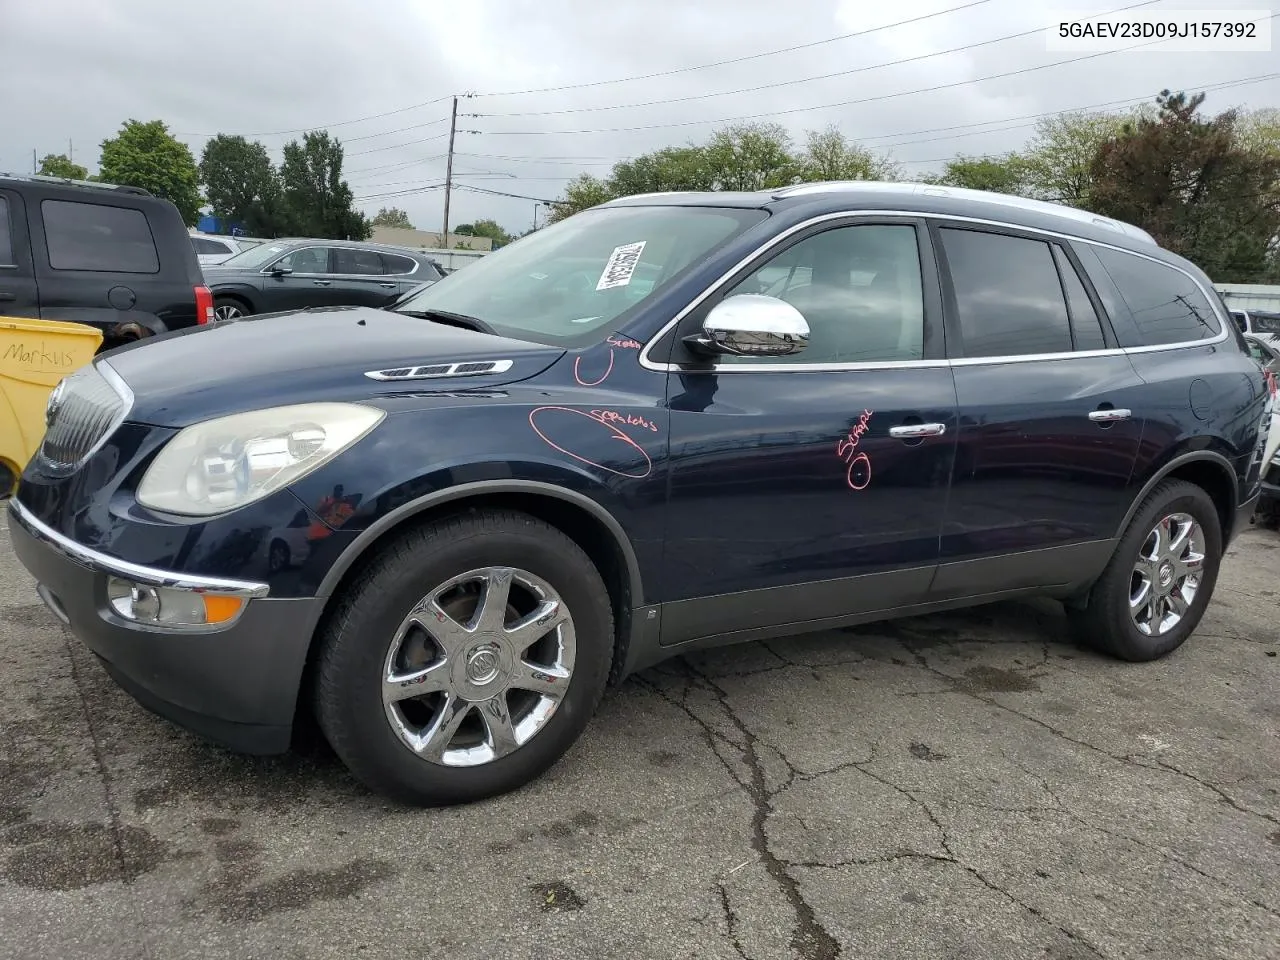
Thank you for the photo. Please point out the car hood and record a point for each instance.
(302, 356)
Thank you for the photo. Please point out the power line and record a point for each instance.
(744, 59)
(501, 193)
(397, 165)
(327, 126)
(396, 146)
(387, 133)
(828, 106)
(788, 83)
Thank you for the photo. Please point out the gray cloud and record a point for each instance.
(76, 69)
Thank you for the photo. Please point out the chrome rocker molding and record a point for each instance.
(433, 371)
(649, 364)
(150, 576)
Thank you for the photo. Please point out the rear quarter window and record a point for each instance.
(6, 237)
(97, 237)
(1167, 305)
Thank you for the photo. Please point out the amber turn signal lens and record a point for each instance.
(219, 608)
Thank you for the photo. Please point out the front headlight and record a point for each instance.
(224, 464)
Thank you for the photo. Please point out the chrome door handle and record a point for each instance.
(1109, 416)
(322, 283)
(389, 286)
(912, 430)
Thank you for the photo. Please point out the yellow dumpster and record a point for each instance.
(34, 356)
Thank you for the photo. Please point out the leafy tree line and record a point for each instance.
(1206, 187)
(305, 196)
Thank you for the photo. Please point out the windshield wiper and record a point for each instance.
(451, 319)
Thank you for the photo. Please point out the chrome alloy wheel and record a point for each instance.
(227, 311)
(1167, 574)
(479, 666)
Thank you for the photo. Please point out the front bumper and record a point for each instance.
(237, 686)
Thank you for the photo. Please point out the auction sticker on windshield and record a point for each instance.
(621, 265)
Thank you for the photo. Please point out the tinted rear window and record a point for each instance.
(1009, 299)
(396, 264)
(93, 236)
(1167, 305)
(6, 240)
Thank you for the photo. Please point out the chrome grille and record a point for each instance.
(83, 413)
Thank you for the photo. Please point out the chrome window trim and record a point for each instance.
(650, 364)
(150, 576)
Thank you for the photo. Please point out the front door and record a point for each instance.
(811, 488)
(310, 284)
(1052, 415)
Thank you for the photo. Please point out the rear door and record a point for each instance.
(18, 294)
(359, 278)
(1051, 414)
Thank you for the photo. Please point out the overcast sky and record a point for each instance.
(75, 69)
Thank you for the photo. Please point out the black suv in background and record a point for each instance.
(116, 258)
(294, 274)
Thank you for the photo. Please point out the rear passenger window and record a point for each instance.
(1167, 305)
(1009, 299)
(209, 246)
(93, 236)
(6, 238)
(397, 265)
(357, 262)
(1086, 328)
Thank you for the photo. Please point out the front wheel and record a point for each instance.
(466, 660)
(1160, 580)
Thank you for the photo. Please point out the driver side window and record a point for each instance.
(307, 260)
(859, 288)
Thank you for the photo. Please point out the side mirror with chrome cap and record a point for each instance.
(751, 325)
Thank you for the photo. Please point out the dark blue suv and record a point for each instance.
(669, 422)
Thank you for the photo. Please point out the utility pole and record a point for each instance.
(71, 154)
(34, 167)
(448, 171)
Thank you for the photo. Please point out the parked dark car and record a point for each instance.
(295, 274)
(821, 406)
(115, 258)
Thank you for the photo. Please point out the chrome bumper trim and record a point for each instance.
(149, 576)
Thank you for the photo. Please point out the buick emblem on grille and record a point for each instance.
(54, 402)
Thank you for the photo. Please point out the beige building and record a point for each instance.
(425, 238)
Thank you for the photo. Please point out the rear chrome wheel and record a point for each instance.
(228, 310)
(1166, 575)
(479, 666)
(1160, 578)
(466, 659)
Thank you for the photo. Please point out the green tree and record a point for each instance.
(60, 165)
(146, 155)
(582, 192)
(242, 184)
(751, 156)
(829, 155)
(392, 217)
(317, 201)
(485, 228)
(1259, 131)
(1194, 186)
(1059, 156)
(673, 168)
(1005, 174)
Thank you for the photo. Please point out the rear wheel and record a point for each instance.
(466, 660)
(229, 308)
(1160, 580)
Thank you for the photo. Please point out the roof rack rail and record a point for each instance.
(67, 181)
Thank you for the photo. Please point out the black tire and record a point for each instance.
(356, 639)
(230, 303)
(1104, 622)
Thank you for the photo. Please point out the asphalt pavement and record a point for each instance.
(969, 785)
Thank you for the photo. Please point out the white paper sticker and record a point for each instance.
(621, 265)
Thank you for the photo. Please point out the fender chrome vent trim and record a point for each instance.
(433, 371)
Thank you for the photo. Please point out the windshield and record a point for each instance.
(255, 257)
(567, 282)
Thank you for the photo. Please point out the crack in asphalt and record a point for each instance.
(108, 791)
(809, 938)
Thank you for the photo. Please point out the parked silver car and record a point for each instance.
(212, 249)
